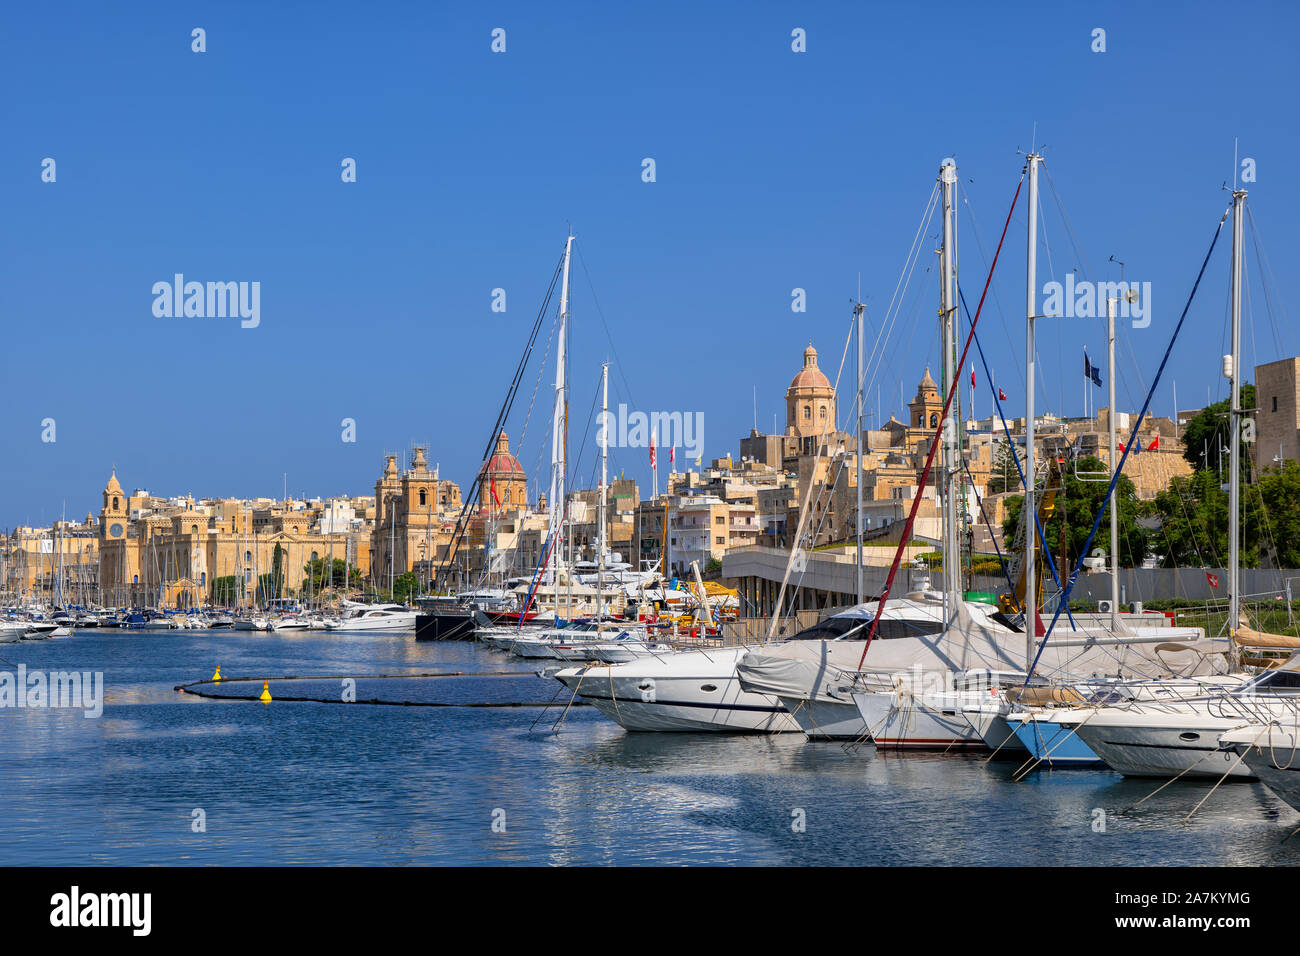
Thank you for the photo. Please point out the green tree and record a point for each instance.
(406, 586)
(1210, 430)
(1193, 520)
(227, 590)
(1004, 475)
(1279, 492)
(321, 576)
(1078, 501)
(265, 588)
(277, 572)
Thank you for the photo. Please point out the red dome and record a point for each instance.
(810, 376)
(502, 461)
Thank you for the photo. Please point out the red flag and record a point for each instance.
(652, 458)
(1002, 396)
(1212, 578)
(1120, 446)
(670, 455)
(1155, 443)
(495, 496)
(972, 376)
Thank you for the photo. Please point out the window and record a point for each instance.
(720, 540)
(823, 413)
(934, 420)
(422, 497)
(1274, 403)
(115, 500)
(194, 529)
(807, 411)
(248, 557)
(135, 579)
(719, 520)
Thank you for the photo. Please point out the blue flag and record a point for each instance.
(1091, 371)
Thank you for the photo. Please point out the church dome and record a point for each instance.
(810, 376)
(927, 384)
(113, 488)
(502, 461)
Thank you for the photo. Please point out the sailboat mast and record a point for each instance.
(1234, 478)
(604, 492)
(1114, 461)
(859, 310)
(1030, 513)
(951, 448)
(559, 436)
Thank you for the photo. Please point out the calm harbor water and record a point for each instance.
(332, 783)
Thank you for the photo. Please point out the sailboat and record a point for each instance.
(864, 684)
(1181, 736)
(586, 641)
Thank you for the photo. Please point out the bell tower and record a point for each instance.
(113, 515)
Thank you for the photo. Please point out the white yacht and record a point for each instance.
(1272, 754)
(373, 617)
(1175, 734)
(682, 691)
(577, 641)
(817, 673)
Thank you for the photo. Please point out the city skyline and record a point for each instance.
(470, 165)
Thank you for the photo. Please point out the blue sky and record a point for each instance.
(775, 170)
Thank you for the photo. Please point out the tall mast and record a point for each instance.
(1030, 512)
(600, 516)
(1114, 461)
(559, 422)
(951, 433)
(1234, 479)
(859, 310)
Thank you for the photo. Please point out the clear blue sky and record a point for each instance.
(775, 170)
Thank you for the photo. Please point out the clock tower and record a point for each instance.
(113, 516)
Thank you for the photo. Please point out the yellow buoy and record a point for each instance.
(217, 675)
(266, 692)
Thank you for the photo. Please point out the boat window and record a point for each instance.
(832, 628)
(1280, 679)
(888, 629)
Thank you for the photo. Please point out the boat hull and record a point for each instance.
(1186, 748)
(678, 703)
(916, 722)
(1052, 744)
(827, 720)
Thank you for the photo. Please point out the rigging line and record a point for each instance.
(617, 362)
(1266, 280)
(895, 308)
(462, 522)
(1119, 468)
(934, 442)
(1011, 446)
(582, 446)
(777, 616)
(997, 299)
(979, 499)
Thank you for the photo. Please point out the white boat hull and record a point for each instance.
(904, 721)
(656, 699)
(1183, 746)
(827, 720)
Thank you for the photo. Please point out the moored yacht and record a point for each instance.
(682, 691)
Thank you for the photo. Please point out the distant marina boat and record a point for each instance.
(373, 617)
